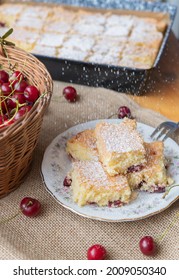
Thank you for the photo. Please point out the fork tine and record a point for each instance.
(156, 130)
(168, 133)
(166, 136)
(163, 132)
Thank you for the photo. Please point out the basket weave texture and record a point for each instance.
(18, 141)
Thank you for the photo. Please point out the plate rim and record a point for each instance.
(87, 215)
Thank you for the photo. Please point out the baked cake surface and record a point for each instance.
(84, 34)
(120, 146)
(91, 184)
(153, 177)
(82, 146)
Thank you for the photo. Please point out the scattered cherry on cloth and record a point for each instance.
(30, 207)
(96, 252)
(124, 112)
(70, 94)
(147, 245)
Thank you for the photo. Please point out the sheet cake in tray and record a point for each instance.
(113, 46)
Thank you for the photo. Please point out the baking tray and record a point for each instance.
(121, 79)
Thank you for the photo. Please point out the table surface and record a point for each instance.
(51, 235)
(57, 233)
(163, 88)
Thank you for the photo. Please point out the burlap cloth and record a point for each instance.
(60, 234)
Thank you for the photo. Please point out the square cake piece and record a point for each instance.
(136, 61)
(91, 184)
(71, 53)
(25, 39)
(51, 39)
(82, 146)
(120, 146)
(78, 42)
(153, 177)
(9, 13)
(88, 17)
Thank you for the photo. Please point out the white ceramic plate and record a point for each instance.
(56, 164)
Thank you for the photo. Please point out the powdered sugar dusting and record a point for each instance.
(121, 138)
(88, 137)
(93, 173)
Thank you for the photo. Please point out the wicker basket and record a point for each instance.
(18, 141)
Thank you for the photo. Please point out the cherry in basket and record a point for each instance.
(17, 96)
(4, 76)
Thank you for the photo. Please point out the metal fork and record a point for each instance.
(164, 130)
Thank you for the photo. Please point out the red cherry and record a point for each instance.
(22, 111)
(17, 75)
(3, 106)
(30, 207)
(135, 168)
(160, 189)
(2, 24)
(20, 86)
(3, 118)
(67, 182)
(6, 88)
(4, 76)
(116, 203)
(31, 93)
(96, 252)
(7, 123)
(70, 94)
(123, 112)
(147, 245)
(16, 98)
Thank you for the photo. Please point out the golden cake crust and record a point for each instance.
(82, 146)
(91, 184)
(153, 177)
(110, 33)
(119, 146)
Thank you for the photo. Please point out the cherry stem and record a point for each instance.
(41, 96)
(15, 215)
(168, 190)
(112, 116)
(23, 104)
(29, 203)
(173, 222)
(10, 218)
(6, 109)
